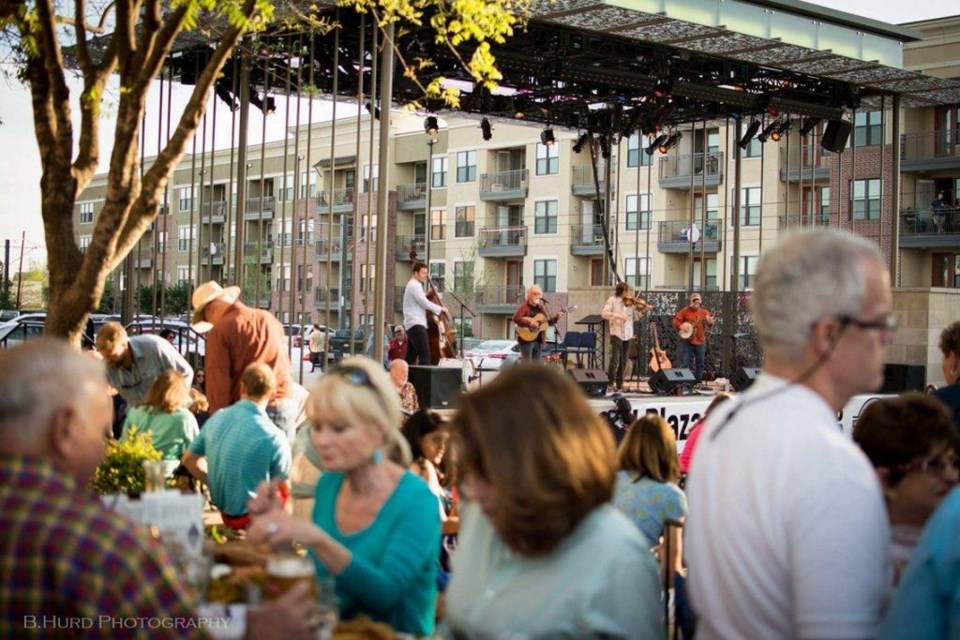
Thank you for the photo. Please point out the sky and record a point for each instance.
(20, 177)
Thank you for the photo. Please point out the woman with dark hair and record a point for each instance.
(164, 415)
(542, 553)
(912, 443)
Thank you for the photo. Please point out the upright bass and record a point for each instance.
(440, 332)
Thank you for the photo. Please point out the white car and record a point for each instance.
(482, 363)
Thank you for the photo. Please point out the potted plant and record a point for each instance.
(121, 471)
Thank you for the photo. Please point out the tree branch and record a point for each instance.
(83, 53)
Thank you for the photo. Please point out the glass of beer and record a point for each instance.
(286, 570)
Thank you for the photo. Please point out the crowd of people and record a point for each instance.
(525, 514)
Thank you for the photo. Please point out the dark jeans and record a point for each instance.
(692, 357)
(618, 359)
(419, 346)
(530, 351)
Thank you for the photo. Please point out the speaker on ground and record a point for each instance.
(743, 378)
(835, 136)
(666, 381)
(903, 377)
(437, 387)
(593, 381)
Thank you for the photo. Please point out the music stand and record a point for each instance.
(599, 354)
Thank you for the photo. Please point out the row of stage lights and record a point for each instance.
(775, 130)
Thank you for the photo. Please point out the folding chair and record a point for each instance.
(588, 347)
(570, 344)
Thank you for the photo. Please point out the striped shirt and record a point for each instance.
(65, 560)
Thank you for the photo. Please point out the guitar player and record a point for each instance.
(621, 310)
(691, 323)
(526, 316)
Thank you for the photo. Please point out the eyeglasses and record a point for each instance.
(889, 322)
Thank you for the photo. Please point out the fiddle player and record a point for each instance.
(621, 310)
(415, 307)
(691, 322)
(526, 316)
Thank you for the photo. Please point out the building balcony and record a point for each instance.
(398, 298)
(412, 197)
(145, 263)
(499, 299)
(586, 240)
(929, 151)
(406, 244)
(212, 254)
(674, 236)
(330, 249)
(581, 180)
(813, 164)
(258, 251)
(342, 200)
(930, 228)
(332, 298)
(504, 185)
(259, 207)
(675, 171)
(503, 242)
(214, 212)
(797, 221)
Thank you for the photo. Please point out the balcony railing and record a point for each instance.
(794, 220)
(586, 239)
(935, 150)
(257, 206)
(930, 228)
(503, 242)
(499, 299)
(322, 296)
(342, 200)
(212, 250)
(504, 185)
(406, 244)
(797, 164)
(674, 236)
(581, 179)
(214, 212)
(675, 171)
(265, 249)
(411, 196)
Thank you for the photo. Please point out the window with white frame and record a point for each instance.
(638, 207)
(83, 242)
(438, 222)
(753, 150)
(368, 222)
(186, 198)
(710, 281)
(282, 277)
(467, 166)
(545, 275)
(463, 276)
(185, 274)
(161, 242)
(865, 204)
(186, 237)
(308, 184)
(285, 194)
(750, 198)
(440, 172)
(548, 159)
(438, 272)
(86, 212)
(284, 233)
(367, 187)
(368, 273)
(545, 216)
(636, 151)
(748, 271)
(636, 272)
(466, 217)
(305, 232)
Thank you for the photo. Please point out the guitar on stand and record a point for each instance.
(542, 321)
(658, 357)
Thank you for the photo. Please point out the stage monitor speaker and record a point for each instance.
(835, 136)
(743, 378)
(903, 377)
(437, 387)
(593, 381)
(666, 381)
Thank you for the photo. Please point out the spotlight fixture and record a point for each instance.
(431, 126)
(809, 125)
(785, 125)
(375, 111)
(581, 142)
(671, 142)
(663, 88)
(748, 136)
(656, 144)
(267, 106)
(547, 137)
(766, 133)
(486, 129)
(604, 146)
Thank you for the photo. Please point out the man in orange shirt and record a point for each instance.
(691, 323)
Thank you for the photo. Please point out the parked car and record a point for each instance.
(338, 344)
(188, 342)
(27, 326)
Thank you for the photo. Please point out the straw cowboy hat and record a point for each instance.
(204, 295)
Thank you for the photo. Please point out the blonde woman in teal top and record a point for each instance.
(375, 526)
(164, 416)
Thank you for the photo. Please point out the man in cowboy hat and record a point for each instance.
(238, 337)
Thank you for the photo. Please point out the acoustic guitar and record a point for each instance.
(529, 334)
(658, 357)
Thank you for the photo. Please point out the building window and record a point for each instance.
(710, 281)
(545, 216)
(368, 274)
(282, 281)
(638, 206)
(865, 204)
(420, 173)
(187, 235)
(368, 221)
(440, 172)
(637, 272)
(467, 166)
(946, 270)
(748, 271)
(161, 242)
(284, 233)
(186, 198)
(438, 273)
(83, 242)
(636, 151)
(750, 198)
(86, 212)
(464, 223)
(545, 275)
(184, 275)
(308, 184)
(367, 186)
(548, 159)
(463, 276)
(438, 224)
(753, 150)
(285, 194)
(596, 272)
(824, 206)
(867, 129)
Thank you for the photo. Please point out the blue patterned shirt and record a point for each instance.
(649, 503)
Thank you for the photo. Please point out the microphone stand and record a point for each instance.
(463, 307)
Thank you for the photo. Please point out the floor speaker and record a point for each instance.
(835, 136)
(903, 377)
(437, 387)
(593, 381)
(666, 381)
(743, 378)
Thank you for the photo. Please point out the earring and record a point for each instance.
(378, 456)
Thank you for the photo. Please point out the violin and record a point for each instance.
(632, 299)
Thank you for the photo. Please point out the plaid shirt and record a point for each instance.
(70, 568)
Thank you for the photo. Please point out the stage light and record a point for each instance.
(785, 126)
(748, 136)
(809, 125)
(671, 142)
(604, 146)
(375, 111)
(547, 137)
(766, 133)
(656, 144)
(486, 129)
(431, 126)
(581, 142)
(663, 88)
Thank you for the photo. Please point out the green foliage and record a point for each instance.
(174, 299)
(122, 469)
(108, 301)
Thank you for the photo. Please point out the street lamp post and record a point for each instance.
(431, 140)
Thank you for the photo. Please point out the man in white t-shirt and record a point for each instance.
(787, 535)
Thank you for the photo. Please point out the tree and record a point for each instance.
(143, 34)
